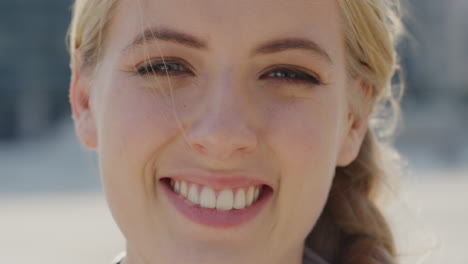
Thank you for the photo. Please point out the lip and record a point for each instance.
(219, 181)
(213, 217)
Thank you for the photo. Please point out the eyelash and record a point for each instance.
(290, 74)
(160, 68)
(284, 73)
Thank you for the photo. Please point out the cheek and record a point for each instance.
(305, 139)
(305, 135)
(133, 126)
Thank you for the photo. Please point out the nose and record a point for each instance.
(223, 129)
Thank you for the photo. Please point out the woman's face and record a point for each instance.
(254, 97)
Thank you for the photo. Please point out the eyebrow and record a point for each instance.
(274, 46)
(293, 44)
(166, 34)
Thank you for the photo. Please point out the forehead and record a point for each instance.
(232, 23)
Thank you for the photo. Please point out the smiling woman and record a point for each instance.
(238, 131)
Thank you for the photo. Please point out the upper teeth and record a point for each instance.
(207, 197)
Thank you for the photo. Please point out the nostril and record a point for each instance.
(221, 136)
(198, 147)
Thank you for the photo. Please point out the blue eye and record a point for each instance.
(172, 67)
(291, 75)
(163, 68)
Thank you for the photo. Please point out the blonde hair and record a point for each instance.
(89, 21)
(351, 229)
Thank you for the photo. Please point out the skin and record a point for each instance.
(224, 117)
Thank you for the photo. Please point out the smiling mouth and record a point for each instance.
(224, 200)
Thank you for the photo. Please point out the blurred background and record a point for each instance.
(51, 204)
